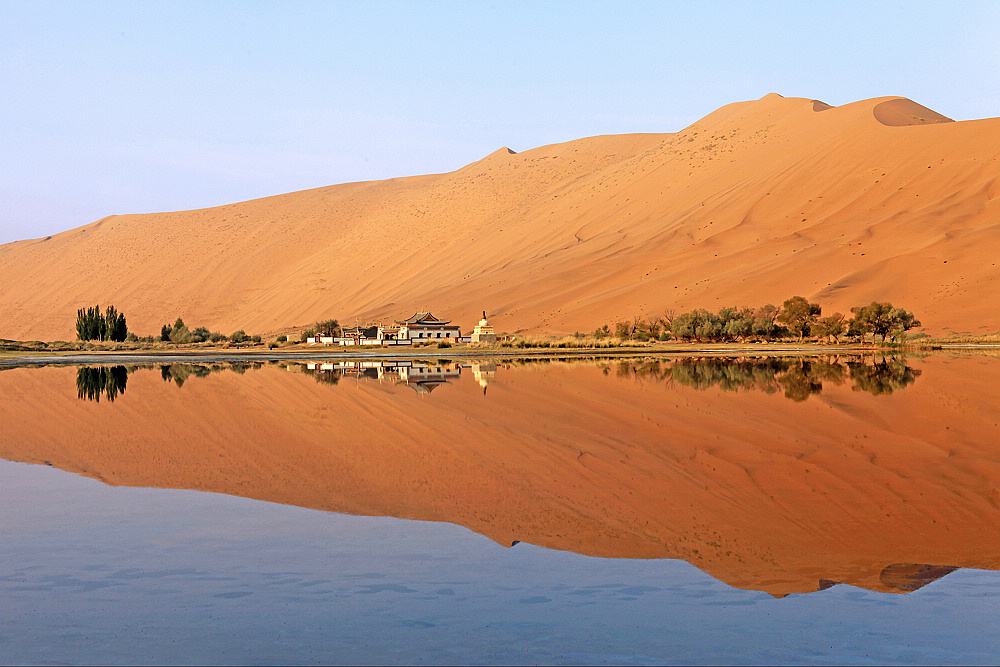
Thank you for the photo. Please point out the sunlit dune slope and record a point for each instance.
(760, 491)
(881, 199)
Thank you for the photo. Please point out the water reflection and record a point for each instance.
(701, 459)
(798, 378)
(92, 383)
(421, 377)
(179, 373)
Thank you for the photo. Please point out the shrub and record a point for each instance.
(255, 338)
(282, 338)
(238, 336)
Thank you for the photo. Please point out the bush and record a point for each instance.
(282, 338)
(238, 336)
(444, 343)
(255, 338)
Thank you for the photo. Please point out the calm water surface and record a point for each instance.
(837, 509)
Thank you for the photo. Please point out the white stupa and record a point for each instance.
(483, 332)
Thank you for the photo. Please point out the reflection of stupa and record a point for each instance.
(484, 373)
(483, 332)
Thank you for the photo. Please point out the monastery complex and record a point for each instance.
(418, 328)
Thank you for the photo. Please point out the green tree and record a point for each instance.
(763, 321)
(737, 323)
(799, 315)
(179, 333)
(902, 321)
(90, 324)
(832, 326)
(882, 319)
(698, 324)
(115, 327)
(328, 328)
(624, 329)
(200, 334)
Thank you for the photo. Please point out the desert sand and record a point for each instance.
(881, 199)
(760, 491)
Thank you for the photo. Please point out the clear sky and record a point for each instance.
(135, 107)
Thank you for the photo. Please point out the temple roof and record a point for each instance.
(422, 318)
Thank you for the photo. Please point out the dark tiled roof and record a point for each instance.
(422, 318)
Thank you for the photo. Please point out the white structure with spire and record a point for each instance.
(483, 332)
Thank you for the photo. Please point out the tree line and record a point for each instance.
(797, 317)
(91, 324)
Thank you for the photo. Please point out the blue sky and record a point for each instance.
(135, 107)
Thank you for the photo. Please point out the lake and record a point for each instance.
(696, 509)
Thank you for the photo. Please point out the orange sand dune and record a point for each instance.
(881, 199)
(760, 491)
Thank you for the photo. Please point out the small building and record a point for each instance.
(483, 332)
(372, 335)
(424, 326)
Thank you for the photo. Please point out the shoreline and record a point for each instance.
(121, 357)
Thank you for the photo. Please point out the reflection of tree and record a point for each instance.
(324, 376)
(92, 382)
(727, 374)
(180, 373)
(882, 377)
(798, 378)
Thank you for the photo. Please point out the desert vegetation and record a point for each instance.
(795, 318)
(180, 334)
(91, 324)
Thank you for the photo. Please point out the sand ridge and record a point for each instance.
(756, 202)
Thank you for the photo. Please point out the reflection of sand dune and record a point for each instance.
(754, 203)
(907, 577)
(759, 491)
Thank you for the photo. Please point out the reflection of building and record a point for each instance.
(424, 325)
(483, 332)
(422, 377)
(425, 379)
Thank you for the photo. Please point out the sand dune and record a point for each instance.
(760, 491)
(881, 199)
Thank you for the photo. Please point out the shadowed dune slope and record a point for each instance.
(881, 199)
